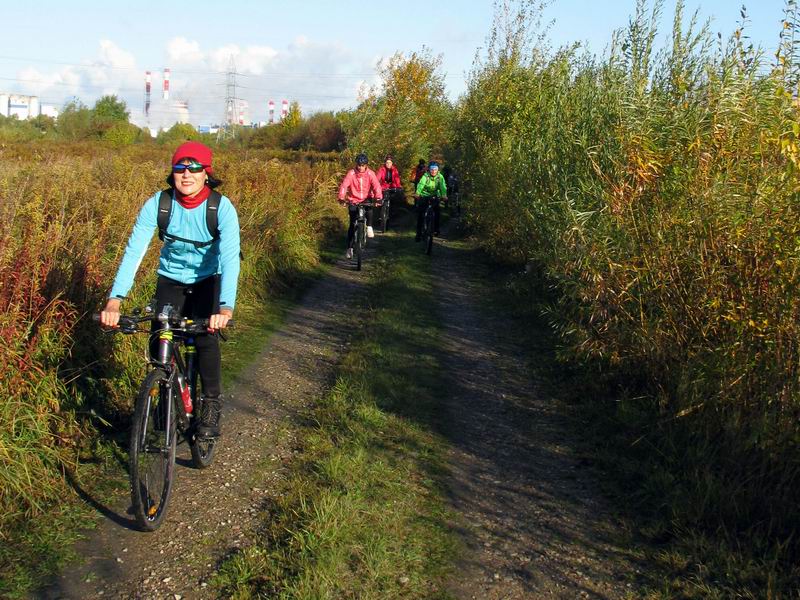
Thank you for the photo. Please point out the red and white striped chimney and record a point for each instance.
(166, 84)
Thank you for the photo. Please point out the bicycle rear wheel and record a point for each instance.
(202, 448)
(152, 451)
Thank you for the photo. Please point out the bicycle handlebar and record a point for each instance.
(366, 203)
(129, 323)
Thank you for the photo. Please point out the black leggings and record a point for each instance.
(422, 205)
(351, 231)
(198, 300)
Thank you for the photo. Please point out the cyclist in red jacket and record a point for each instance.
(388, 175)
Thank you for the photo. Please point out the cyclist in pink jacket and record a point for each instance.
(358, 185)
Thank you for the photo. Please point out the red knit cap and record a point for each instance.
(199, 152)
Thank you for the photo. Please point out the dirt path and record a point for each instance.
(532, 520)
(534, 523)
(218, 510)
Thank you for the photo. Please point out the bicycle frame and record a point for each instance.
(361, 224)
(171, 360)
(428, 218)
(386, 207)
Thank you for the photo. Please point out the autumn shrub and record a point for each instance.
(321, 131)
(658, 194)
(408, 115)
(65, 213)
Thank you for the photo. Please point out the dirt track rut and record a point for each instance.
(217, 510)
(533, 522)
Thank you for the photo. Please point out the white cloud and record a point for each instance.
(251, 60)
(113, 56)
(181, 50)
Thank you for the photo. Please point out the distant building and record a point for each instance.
(48, 110)
(182, 110)
(25, 107)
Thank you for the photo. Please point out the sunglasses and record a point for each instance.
(193, 168)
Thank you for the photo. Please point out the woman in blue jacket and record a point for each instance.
(198, 269)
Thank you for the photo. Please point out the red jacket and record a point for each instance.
(417, 173)
(395, 178)
(357, 187)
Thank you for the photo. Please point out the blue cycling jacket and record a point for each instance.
(182, 261)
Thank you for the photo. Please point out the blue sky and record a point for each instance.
(316, 52)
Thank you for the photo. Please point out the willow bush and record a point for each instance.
(407, 115)
(657, 191)
(65, 213)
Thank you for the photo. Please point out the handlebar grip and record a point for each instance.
(96, 317)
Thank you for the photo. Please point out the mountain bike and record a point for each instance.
(166, 405)
(360, 237)
(428, 221)
(386, 207)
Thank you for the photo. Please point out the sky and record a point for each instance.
(318, 53)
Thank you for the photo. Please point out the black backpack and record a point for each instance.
(165, 213)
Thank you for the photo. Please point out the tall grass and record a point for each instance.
(65, 213)
(657, 191)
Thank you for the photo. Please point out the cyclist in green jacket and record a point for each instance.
(431, 188)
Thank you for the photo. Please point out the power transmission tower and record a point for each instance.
(229, 119)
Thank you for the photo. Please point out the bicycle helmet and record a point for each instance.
(388, 157)
(361, 159)
(433, 165)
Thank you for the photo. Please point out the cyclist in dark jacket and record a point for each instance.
(418, 172)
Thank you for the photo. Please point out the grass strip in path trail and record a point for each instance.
(362, 514)
(42, 546)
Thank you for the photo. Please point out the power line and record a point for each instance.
(307, 74)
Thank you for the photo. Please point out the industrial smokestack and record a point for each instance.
(147, 80)
(166, 84)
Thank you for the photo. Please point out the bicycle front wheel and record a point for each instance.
(385, 216)
(152, 451)
(428, 238)
(359, 245)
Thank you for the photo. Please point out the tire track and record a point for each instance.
(532, 520)
(217, 511)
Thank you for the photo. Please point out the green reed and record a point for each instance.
(657, 192)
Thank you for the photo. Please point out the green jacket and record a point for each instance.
(432, 186)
